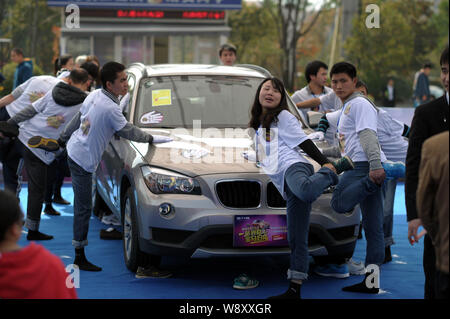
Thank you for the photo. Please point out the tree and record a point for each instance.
(29, 25)
(290, 17)
(397, 48)
(254, 34)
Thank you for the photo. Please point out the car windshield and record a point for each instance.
(176, 101)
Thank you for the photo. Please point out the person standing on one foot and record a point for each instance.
(88, 134)
(279, 137)
(357, 133)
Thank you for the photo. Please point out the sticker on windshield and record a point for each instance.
(161, 97)
(152, 117)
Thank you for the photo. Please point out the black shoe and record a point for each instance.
(110, 233)
(152, 272)
(82, 262)
(60, 200)
(293, 292)
(9, 130)
(361, 287)
(47, 144)
(49, 210)
(343, 164)
(387, 254)
(37, 235)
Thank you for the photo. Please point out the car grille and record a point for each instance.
(239, 194)
(274, 198)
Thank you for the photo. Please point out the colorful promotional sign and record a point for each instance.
(152, 4)
(260, 230)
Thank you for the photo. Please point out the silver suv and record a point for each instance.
(199, 195)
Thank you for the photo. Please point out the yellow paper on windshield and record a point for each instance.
(161, 97)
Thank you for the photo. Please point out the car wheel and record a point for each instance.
(133, 256)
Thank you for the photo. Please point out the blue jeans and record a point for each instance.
(354, 188)
(82, 205)
(388, 192)
(302, 188)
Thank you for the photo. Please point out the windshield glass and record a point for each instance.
(176, 101)
(218, 101)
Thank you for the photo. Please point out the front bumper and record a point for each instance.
(217, 240)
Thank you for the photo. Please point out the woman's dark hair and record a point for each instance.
(10, 212)
(343, 67)
(109, 72)
(256, 113)
(62, 60)
(312, 68)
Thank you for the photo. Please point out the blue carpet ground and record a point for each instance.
(212, 278)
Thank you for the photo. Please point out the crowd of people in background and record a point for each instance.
(43, 127)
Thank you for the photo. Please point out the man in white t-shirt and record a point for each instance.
(392, 136)
(88, 134)
(316, 76)
(357, 133)
(47, 116)
(22, 97)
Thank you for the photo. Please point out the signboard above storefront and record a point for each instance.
(152, 4)
(136, 14)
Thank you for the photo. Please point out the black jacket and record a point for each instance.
(429, 119)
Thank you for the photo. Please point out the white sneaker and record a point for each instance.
(110, 220)
(356, 267)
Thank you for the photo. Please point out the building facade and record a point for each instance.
(147, 31)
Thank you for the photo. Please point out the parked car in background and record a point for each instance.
(197, 195)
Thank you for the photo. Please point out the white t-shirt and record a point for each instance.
(306, 94)
(282, 151)
(49, 122)
(100, 118)
(330, 101)
(357, 115)
(32, 90)
(389, 132)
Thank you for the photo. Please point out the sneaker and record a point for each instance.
(49, 210)
(355, 267)
(9, 130)
(60, 201)
(343, 164)
(243, 282)
(394, 170)
(37, 235)
(47, 144)
(110, 233)
(110, 220)
(333, 270)
(152, 272)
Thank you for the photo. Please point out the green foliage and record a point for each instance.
(255, 37)
(29, 25)
(8, 73)
(397, 49)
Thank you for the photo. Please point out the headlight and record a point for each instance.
(160, 181)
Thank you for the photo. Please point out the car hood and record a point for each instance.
(200, 152)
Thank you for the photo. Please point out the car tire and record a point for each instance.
(133, 256)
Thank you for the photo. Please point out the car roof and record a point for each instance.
(192, 69)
